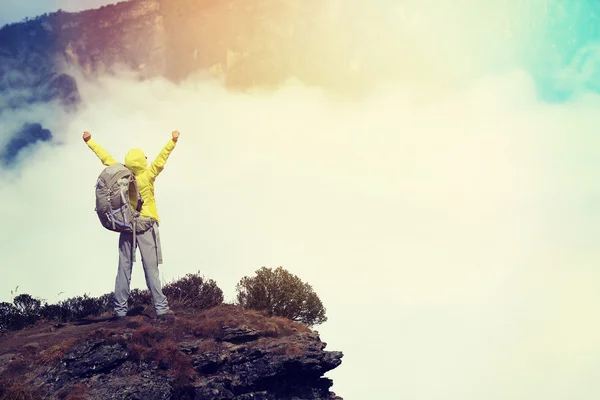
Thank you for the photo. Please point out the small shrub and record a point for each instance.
(194, 291)
(74, 308)
(191, 291)
(281, 294)
(10, 318)
(80, 307)
(106, 302)
(139, 298)
(27, 305)
(54, 312)
(24, 311)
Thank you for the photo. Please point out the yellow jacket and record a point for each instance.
(137, 162)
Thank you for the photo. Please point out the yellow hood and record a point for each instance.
(136, 161)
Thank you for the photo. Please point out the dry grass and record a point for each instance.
(147, 335)
(290, 327)
(77, 392)
(200, 327)
(180, 364)
(155, 345)
(18, 391)
(210, 323)
(143, 340)
(288, 349)
(56, 352)
(188, 323)
(293, 350)
(210, 346)
(139, 353)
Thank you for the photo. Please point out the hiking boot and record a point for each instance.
(168, 316)
(119, 317)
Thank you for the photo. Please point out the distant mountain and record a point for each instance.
(246, 42)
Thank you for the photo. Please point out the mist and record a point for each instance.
(450, 241)
(447, 222)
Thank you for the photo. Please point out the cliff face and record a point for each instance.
(253, 42)
(130, 33)
(222, 353)
(249, 42)
(35, 55)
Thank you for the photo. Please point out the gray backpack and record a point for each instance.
(112, 201)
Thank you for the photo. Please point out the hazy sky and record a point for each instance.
(452, 239)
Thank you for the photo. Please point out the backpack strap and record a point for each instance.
(140, 201)
(134, 249)
(138, 208)
(110, 212)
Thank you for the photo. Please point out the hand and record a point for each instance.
(86, 136)
(175, 135)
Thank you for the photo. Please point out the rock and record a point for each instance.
(191, 347)
(239, 335)
(213, 389)
(273, 368)
(150, 387)
(94, 357)
(181, 360)
(208, 363)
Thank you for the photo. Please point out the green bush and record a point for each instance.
(80, 307)
(194, 291)
(28, 308)
(27, 305)
(282, 294)
(10, 318)
(54, 313)
(139, 298)
(25, 310)
(106, 302)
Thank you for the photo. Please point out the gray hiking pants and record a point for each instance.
(149, 245)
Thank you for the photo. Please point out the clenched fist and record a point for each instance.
(86, 136)
(175, 135)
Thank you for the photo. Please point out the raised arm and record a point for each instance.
(158, 164)
(98, 150)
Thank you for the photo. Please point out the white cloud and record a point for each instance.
(451, 235)
(448, 240)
